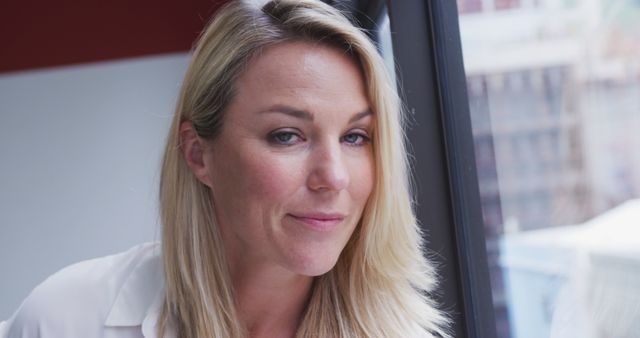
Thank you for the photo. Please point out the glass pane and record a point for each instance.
(554, 94)
(383, 36)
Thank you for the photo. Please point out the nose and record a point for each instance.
(328, 169)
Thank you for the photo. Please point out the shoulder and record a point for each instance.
(77, 299)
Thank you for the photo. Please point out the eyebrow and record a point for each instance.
(360, 116)
(305, 115)
(297, 113)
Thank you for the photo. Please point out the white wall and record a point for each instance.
(80, 152)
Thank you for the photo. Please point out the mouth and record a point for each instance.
(319, 221)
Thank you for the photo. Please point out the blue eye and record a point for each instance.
(284, 138)
(356, 139)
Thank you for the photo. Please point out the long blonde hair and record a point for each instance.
(381, 284)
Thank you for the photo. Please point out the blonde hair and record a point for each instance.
(381, 284)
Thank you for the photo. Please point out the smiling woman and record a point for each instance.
(298, 168)
(284, 198)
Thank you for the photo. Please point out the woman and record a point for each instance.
(284, 198)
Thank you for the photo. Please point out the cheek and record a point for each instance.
(268, 179)
(362, 182)
(249, 181)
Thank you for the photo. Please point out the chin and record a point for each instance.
(314, 266)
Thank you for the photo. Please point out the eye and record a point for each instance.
(356, 138)
(285, 137)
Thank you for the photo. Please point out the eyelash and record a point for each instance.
(364, 139)
(274, 136)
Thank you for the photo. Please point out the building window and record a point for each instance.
(470, 6)
(560, 210)
(506, 4)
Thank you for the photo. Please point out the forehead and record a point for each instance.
(303, 73)
(292, 58)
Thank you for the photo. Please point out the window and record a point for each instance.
(563, 110)
(527, 164)
(470, 6)
(506, 4)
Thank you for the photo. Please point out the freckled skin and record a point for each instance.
(258, 183)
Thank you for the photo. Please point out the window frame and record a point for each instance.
(430, 71)
(431, 80)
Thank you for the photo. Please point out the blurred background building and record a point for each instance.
(553, 89)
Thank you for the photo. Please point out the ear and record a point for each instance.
(192, 148)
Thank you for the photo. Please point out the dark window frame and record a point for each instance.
(428, 52)
(430, 72)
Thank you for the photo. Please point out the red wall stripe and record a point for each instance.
(36, 34)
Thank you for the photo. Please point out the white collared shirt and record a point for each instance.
(115, 296)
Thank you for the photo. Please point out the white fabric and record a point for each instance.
(601, 297)
(4, 327)
(118, 296)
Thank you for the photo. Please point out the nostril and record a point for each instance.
(329, 174)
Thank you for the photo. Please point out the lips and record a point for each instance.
(319, 221)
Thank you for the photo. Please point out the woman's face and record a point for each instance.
(293, 166)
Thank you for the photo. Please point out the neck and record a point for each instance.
(271, 300)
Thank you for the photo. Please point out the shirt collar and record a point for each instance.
(140, 299)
